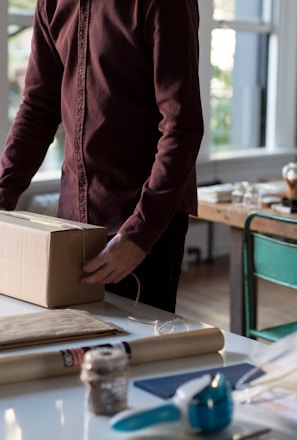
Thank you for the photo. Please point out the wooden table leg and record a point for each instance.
(237, 317)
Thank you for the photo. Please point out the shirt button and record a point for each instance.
(81, 34)
(80, 108)
(81, 183)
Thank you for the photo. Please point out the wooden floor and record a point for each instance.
(203, 295)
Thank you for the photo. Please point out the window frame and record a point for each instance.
(282, 74)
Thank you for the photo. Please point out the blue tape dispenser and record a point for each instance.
(204, 405)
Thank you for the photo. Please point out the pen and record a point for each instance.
(250, 434)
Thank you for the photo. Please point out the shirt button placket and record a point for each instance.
(80, 110)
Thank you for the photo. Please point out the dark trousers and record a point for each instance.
(160, 271)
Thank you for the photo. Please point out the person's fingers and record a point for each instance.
(96, 263)
(105, 275)
(117, 260)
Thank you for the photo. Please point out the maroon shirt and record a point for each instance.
(122, 76)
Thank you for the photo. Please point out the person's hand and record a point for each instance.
(117, 260)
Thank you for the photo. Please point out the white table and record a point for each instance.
(54, 409)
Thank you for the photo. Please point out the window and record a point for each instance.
(19, 38)
(20, 17)
(251, 46)
(239, 53)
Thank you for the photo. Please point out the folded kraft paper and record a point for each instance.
(51, 326)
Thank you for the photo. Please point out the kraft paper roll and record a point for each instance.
(176, 345)
(32, 366)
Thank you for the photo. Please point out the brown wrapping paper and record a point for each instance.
(176, 345)
(51, 326)
(24, 367)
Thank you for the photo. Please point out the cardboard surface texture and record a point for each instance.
(41, 259)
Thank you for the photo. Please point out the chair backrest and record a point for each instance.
(275, 260)
(270, 257)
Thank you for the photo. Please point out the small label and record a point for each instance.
(73, 357)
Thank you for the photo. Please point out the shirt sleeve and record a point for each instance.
(171, 35)
(37, 119)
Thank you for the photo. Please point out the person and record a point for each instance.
(122, 77)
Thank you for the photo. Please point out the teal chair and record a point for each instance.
(272, 258)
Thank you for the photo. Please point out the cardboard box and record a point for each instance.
(41, 259)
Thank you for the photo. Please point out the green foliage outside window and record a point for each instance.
(21, 5)
(220, 102)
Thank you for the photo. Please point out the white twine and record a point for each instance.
(158, 328)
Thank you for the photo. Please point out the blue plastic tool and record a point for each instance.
(204, 405)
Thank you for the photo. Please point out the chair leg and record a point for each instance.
(210, 233)
(195, 251)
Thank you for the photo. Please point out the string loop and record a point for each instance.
(158, 328)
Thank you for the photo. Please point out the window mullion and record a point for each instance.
(281, 105)
(243, 26)
(23, 19)
(4, 124)
(205, 72)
